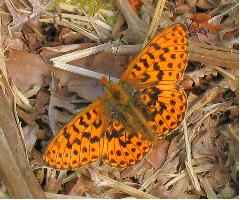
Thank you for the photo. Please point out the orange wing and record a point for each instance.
(80, 142)
(167, 105)
(121, 147)
(162, 61)
(91, 135)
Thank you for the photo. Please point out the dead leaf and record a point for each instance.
(113, 194)
(202, 146)
(206, 4)
(54, 181)
(30, 136)
(81, 187)
(179, 189)
(27, 69)
(87, 88)
(195, 117)
(158, 154)
(219, 176)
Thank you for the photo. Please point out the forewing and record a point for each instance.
(162, 61)
(167, 105)
(79, 142)
(122, 147)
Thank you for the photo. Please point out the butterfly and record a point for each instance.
(121, 126)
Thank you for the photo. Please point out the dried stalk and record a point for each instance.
(197, 170)
(233, 133)
(14, 167)
(204, 99)
(125, 188)
(61, 62)
(137, 29)
(208, 188)
(51, 117)
(200, 52)
(155, 21)
(15, 170)
(50, 195)
(188, 162)
(79, 30)
(210, 55)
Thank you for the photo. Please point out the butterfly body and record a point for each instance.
(123, 103)
(121, 126)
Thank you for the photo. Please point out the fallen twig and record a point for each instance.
(125, 188)
(155, 21)
(188, 162)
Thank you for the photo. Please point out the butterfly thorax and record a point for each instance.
(123, 103)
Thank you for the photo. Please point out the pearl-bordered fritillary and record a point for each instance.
(121, 126)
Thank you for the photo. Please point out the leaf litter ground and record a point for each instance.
(47, 98)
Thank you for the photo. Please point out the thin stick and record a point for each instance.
(188, 162)
(83, 71)
(198, 169)
(208, 188)
(125, 188)
(155, 20)
(156, 174)
(51, 195)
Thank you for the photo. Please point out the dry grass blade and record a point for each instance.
(125, 188)
(208, 188)
(15, 170)
(80, 30)
(3, 66)
(233, 133)
(197, 170)
(210, 55)
(61, 61)
(188, 162)
(82, 53)
(50, 195)
(21, 100)
(155, 20)
(225, 73)
(227, 11)
(136, 27)
(82, 71)
(204, 99)
(156, 174)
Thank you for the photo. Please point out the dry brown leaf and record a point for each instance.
(30, 136)
(18, 17)
(196, 75)
(14, 42)
(195, 117)
(81, 187)
(27, 69)
(161, 191)
(207, 4)
(54, 181)
(133, 170)
(180, 187)
(158, 154)
(87, 88)
(113, 194)
(202, 146)
(219, 176)
(207, 37)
